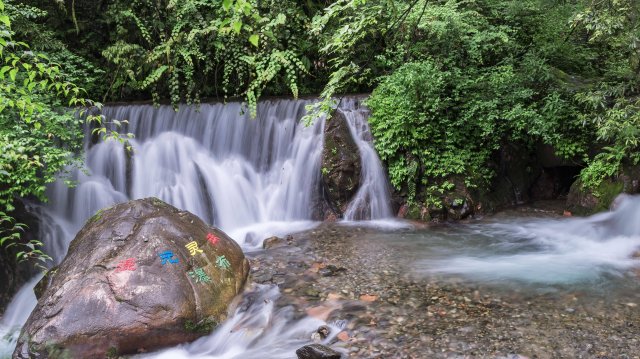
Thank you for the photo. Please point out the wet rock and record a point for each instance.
(317, 351)
(321, 334)
(341, 164)
(330, 270)
(139, 276)
(582, 200)
(456, 204)
(272, 242)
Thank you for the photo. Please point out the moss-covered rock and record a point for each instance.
(585, 201)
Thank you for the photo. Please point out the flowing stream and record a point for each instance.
(538, 252)
(253, 178)
(261, 177)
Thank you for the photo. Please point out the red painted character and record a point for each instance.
(212, 239)
(126, 264)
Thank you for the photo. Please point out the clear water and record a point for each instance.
(596, 253)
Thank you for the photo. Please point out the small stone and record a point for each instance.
(272, 242)
(320, 312)
(317, 351)
(331, 270)
(343, 336)
(323, 331)
(312, 292)
(368, 298)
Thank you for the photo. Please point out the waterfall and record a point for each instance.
(253, 178)
(373, 197)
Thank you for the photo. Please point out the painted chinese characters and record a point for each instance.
(222, 262)
(212, 238)
(193, 248)
(128, 264)
(199, 275)
(167, 257)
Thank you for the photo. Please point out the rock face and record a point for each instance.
(139, 276)
(341, 163)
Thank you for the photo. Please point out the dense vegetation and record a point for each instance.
(451, 81)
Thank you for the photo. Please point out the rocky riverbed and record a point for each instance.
(339, 274)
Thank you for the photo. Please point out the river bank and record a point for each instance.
(348, 276)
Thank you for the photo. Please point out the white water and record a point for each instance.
(373, 197)
(253, 178)
(256, 330)
(543, 251)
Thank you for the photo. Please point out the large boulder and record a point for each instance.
(341, 163)
(139, 276)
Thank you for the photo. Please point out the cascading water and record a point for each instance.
(253, 178)
(250, 177)
(373, 197)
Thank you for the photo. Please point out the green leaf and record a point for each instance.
(5, 20)
(237, 26)
(253, 39)
(226, 4)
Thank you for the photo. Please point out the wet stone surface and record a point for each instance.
(337, 274)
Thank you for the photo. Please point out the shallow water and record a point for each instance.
(545, 253)
(510, 254)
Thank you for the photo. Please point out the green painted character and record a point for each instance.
(199, 275)
(222, 262)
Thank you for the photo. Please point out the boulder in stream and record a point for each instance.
(139, 276)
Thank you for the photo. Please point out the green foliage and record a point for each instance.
(183, 49)
(612, 104)
(40, 129)
(452, 80)
(27, 22)
(471, 84)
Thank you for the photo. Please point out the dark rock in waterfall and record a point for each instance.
(139, 276)
(341, 164)
(331, 270)
(317, 351)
